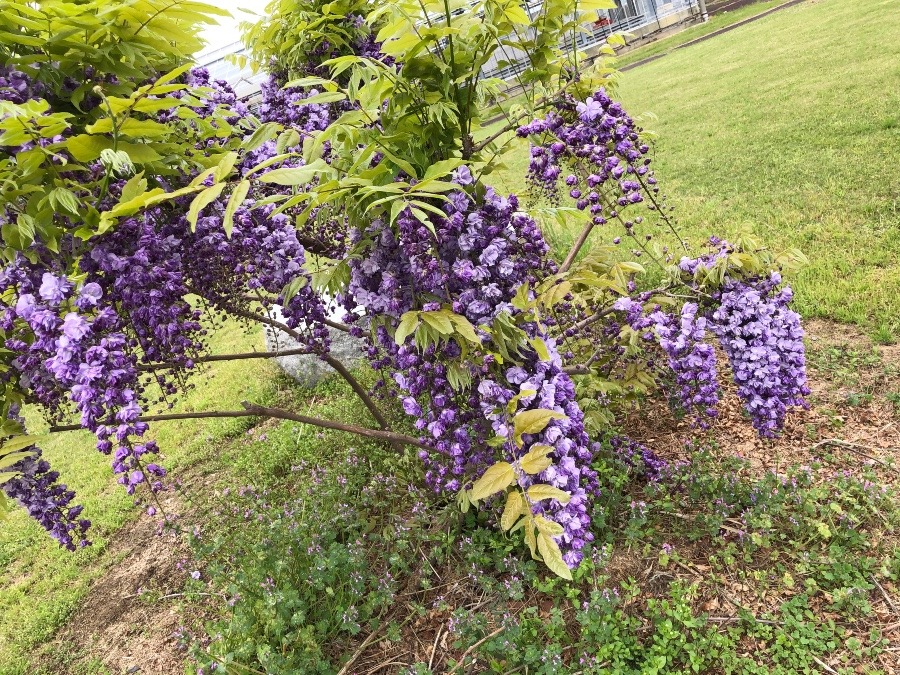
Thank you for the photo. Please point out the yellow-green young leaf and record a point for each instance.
(515, 505)
(20, 442)
(541, 348)
(438, 321)
(325, 97)
(201, 201)
(465, 329)
(237, 198)
(529, 535)
(295, 176)
(4, 506)
(539, 492)
(514, 401)
(548, 527)
(515, 14)
(553, 556)
(462, 499)
(533, 422)
(442, 168)
(408, 324)
(262, 133)
(555, 294)
(226, 164)
(536, 459)
(133, 188)
(7, 461)
(498, 477)
(86, 148)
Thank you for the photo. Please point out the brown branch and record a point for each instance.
(230, 357)
(594, 318)
(253, 410)
(576, 247)
(327, 358)
(380, 434)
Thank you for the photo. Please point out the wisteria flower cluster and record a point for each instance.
(588, 146)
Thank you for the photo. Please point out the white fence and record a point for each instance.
(639, 17)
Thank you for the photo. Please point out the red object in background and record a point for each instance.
(603, 21)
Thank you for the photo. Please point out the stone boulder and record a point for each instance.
(307, 369)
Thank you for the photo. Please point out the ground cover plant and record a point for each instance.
(462, 310)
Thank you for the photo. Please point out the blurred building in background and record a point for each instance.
(637, 19)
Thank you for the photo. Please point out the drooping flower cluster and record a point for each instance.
(542, 384)
(73, 346)
(763, 339)
(285, 105)
(17, 87)
(692, 360)
(761, 336)
(49, 502)
(590, 146)
(475, 261)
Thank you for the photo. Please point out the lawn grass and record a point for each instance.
(787, 127)
(41, 584)
(716, 22)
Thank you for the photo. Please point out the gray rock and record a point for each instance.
(306, 369)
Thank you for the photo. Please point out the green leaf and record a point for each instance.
(237, 198)
(86, 148)
(465, 329)
(439, 321)
(408, 324)
(536, 459)
(262, 134)
(293, 287)
(325, 97)
(64, 200)
(533, 422)
(552, 556)
(443, 168)
(514, 509)
(541, 348)
(16, 443)
(498, 477)
(135, 187)
(529, 535)
(540, 492)
(201, 201)
(225, 165)
(549, 527)
(300, 175)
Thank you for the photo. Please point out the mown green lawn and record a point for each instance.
(695, 31)
(789, 127)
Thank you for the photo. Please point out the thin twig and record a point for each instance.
(361, 649)
(466, 653)
(825, 665)
(230, 357)
(387, 663)
(887, 598)
(855, 448)
(434, 647)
